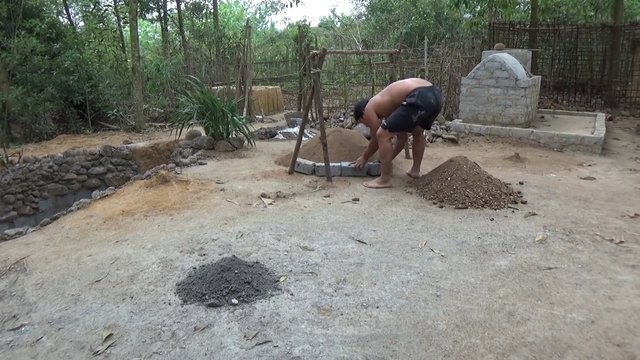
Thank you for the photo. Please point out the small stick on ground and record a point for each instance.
(358, 240)
(13, 263)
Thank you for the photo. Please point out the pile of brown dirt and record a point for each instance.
(148, 156)
(462, 183)
(344, 145)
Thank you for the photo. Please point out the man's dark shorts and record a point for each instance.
(420, 108)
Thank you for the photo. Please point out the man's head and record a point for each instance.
(358, 109)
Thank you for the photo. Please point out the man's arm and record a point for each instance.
(371, 119)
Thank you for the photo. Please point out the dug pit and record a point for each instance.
(228, 281)
(461, 183)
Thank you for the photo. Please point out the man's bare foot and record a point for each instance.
(377, 184)
(413, 174)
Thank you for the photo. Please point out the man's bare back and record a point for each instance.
(407, 106)
(387, 100)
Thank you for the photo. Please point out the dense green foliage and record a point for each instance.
(64, 67)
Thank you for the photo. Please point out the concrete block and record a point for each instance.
(348, 169)
(506, 82)
(502, 74)
(497, 131)
(305, 167)
(335, 169)
(373, 168)
(520, 133)
(591, 140)
(569, 139)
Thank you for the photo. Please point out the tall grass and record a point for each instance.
(218, 117)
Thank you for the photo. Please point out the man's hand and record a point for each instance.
(359, 164)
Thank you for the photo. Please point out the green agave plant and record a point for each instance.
(218, 117)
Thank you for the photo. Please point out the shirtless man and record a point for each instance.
(407, 106)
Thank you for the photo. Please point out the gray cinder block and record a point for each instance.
(373, 168)
(305, 166)
(334, 168)
(348, 169)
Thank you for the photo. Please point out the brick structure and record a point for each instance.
(499, 91)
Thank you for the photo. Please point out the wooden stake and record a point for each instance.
(305, 120)
(318, 95)
(247, 90)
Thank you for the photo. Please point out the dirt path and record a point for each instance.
(421, 282)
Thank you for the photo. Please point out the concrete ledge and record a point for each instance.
(334, 168)
(344, 168)
(592, 143)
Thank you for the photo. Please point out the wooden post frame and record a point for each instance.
(317, 58)
(319, 107)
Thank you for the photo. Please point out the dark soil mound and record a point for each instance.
(461, 183)
(226, 281)
(344, 145)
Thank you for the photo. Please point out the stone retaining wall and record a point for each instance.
(38, 187)
(38, 190)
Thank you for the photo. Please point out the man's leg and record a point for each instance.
(385, 153)
(401, 141)
(419, 144)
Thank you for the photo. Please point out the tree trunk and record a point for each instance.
(216, 17)
(217, 42)
(5, 131)
(183, 39)
(164, 28)
(534, 19)
(67, 12)
(123, 45)
(617, 16)
(136, 67)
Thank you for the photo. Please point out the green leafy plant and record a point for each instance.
(218, 117)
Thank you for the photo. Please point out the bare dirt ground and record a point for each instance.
(421, 282)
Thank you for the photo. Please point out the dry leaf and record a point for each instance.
(231, 201)
(251, 335)
(267, 201)
(107, 333)
(306, 248)
(109, 341)
(618, 241)
(540, 238)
